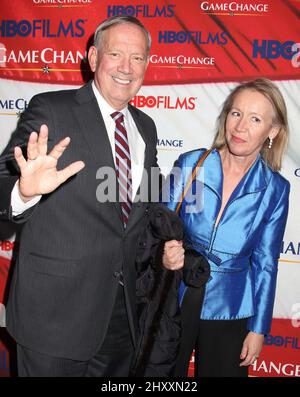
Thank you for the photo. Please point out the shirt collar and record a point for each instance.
(104, 106)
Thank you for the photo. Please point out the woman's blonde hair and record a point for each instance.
(274, 155)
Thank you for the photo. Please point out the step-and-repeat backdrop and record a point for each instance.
(200, 50)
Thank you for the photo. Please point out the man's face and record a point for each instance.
(120, 63)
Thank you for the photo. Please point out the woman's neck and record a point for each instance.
(236, 164)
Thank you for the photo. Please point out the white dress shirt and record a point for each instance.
(136, 145)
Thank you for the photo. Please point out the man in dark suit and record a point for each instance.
(72, 306)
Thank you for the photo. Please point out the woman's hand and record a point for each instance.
(251, 348)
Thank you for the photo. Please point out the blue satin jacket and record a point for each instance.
(243, 249)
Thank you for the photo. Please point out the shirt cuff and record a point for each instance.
(18, 205)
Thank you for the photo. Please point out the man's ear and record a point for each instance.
(92, 57)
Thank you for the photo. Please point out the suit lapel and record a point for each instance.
(88, 116)
(91, 122)
(137, 119)
(138, 208)
(94, 132)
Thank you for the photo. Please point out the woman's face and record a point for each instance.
(249, 124)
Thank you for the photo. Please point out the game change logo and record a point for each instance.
(62, 3)
(181, 61)
(276, 368)
(168, 143)
(12, 106)
(234, 8)
(290, 248)
(46, 56)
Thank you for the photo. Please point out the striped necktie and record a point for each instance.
(123, 166)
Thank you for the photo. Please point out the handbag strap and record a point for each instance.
(191, 179)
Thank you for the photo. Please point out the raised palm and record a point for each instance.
(39, 174)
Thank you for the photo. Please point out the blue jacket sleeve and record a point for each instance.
(264, 265)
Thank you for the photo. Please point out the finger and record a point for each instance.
(174, 262)
(32, 147)
(244, 352)
(179, 264)
(176, 265)
(59, 148)
(250, 358)
(176, 242)
(69, 171)
(43, 140)
(19, 157)
(244, 363)
(178, 257)
(250, 362)
(173, 243)
(173, 253)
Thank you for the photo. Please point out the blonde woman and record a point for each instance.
(239, 231)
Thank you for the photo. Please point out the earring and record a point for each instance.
(270, 142)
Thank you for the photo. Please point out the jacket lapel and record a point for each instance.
(91, 122)
(92, 125)
(253, 181)
(93, 129)
(213, 175)
(137, 119)
(137, 208)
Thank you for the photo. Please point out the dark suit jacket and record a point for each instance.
(71, 247)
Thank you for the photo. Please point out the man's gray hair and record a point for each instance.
(117, 20)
